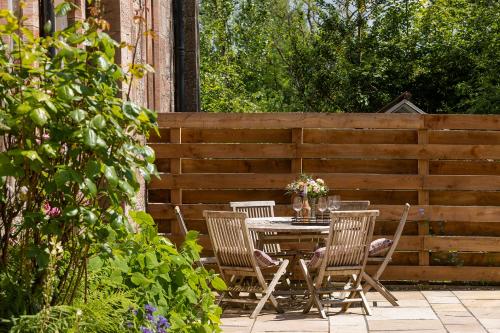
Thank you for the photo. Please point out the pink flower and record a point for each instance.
(45, 137)
(51, 211)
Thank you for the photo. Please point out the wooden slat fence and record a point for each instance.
(446, 166)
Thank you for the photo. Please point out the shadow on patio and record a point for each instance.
(444, 309)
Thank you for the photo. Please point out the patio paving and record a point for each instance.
(449, 309)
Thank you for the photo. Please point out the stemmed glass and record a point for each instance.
(322, 205)
(333, 202)
(297, 205)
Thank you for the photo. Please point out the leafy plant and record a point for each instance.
(160, 275)
(72, 155)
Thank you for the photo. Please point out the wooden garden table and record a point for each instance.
(282, 225)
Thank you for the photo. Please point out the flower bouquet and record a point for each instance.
(307, 186)
(306, 189)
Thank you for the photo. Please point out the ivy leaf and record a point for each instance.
(218, 284)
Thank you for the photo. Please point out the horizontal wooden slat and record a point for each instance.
(461, 182)
(164, 135)
(236, 166)
(464, 198)
(288, 120)
(387, 212)
(326, 120)
(470, 167)
(359, 136)
(360, 166)
(339, 181)
(227, 135)
(279, 196)
(279, 181)
(462, 243)
(277, 150)
(460, 121)
(461, 137)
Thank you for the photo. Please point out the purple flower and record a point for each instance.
(149, 317)
(149, 308)
(145, 330)
(129, 324)
(162, 323)
(161, 330)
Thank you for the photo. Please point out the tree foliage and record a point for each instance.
(349, 56)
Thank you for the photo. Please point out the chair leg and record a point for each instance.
(366, 306)
(380, 288)
(269, 289)
(346, 306)
(314, 296)
(310, 285)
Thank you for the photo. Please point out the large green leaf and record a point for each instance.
(110, 174)
(65, 92)
(39, 116)
(98, 122)
(78, 115)
(218, 283)
(89, 137)
(90, 185)
(139, 279)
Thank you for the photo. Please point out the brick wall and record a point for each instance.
(155, 91)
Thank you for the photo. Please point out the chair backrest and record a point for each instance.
(180, 220)
(349, 238)
(230, 238)
(395, 241)
(254, 208)
(354, 205)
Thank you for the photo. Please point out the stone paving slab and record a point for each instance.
(434, 311)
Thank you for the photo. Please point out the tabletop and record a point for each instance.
(282, 224)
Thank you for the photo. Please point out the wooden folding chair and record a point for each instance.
(234, 252)
(344, 256)
(373, 281)
(256, 209)
(183, 229)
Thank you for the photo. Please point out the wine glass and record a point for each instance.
(333, 202)
(322, 205)
(297, 205)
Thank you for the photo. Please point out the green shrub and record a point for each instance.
(73, 153)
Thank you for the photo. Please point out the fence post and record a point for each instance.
(175, 169)
(423, 199)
